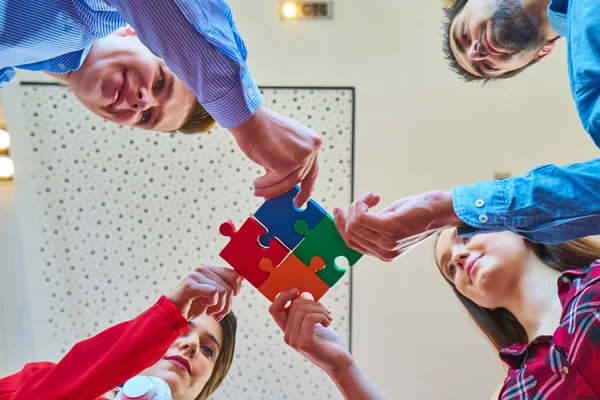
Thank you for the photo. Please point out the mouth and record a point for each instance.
(471, 266)
(181, 362)
(493, 50)
(119, 91)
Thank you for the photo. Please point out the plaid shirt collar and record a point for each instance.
(570, 283)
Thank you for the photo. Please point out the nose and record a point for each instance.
(141, 100)
(477, 51)
(460, 256)
(190, 345)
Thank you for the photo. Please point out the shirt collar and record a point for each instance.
(557, 14)
(569, 284)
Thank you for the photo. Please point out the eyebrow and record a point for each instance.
(462, 50)
(168, 97)
(212, 337)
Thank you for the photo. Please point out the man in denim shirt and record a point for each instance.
(496, 39)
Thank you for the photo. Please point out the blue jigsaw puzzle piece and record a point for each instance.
(280, 214)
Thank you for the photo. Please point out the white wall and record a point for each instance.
(417, 123)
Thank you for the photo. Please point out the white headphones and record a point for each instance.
(144, 387)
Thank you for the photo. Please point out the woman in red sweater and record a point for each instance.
(186, 338)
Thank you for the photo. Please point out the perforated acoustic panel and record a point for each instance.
(125, 214)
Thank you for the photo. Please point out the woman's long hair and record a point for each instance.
(499, 326)
(223, 363)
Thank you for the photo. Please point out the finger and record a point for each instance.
(371, 221)
(382, 241)
(361, 248)
(226, 307)
(308, 184)
(298, 313)
(203, 296)
(339, 219)
(370, 199)
(218, 301)
(196, 309)
(217, 308)
(206, 275)
(230, 276)
(277, 308)
(340, 224)
(273, 184)
(307, 335)
(373, 249)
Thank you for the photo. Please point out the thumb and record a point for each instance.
(268, 179)
(339, 219)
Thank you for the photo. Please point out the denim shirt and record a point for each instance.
(550, 204)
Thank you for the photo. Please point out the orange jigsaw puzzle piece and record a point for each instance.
(291, 274)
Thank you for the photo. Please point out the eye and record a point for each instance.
(208, 352)
(463, 33)
(488, 66)
(160, 83)
(145, 117)
(452, 270)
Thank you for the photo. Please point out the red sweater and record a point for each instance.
(99, 364)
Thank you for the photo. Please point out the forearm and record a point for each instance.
(199, 41)
(354, 386)
(549, 204)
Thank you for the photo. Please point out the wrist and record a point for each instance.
(251, 125)
(443, 209)
(344, 375)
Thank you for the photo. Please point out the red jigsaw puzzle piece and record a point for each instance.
(244, 252)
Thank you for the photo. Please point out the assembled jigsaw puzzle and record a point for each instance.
(283, 247)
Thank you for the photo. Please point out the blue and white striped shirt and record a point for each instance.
(198, 40)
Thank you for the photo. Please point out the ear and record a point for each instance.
(547, 49)
(125, 31)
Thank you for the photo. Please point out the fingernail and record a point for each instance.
(336, 211)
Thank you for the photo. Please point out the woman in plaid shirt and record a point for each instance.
(539, 306)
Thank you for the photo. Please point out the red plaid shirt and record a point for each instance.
(565, 365)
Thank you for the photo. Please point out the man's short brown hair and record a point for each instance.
(199, 121)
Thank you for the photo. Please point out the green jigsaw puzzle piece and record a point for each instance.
(324, 241)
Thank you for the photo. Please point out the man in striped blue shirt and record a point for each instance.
(87, 44)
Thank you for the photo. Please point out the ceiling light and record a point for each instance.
(289, 10)
(4, 140)
(7, 168)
